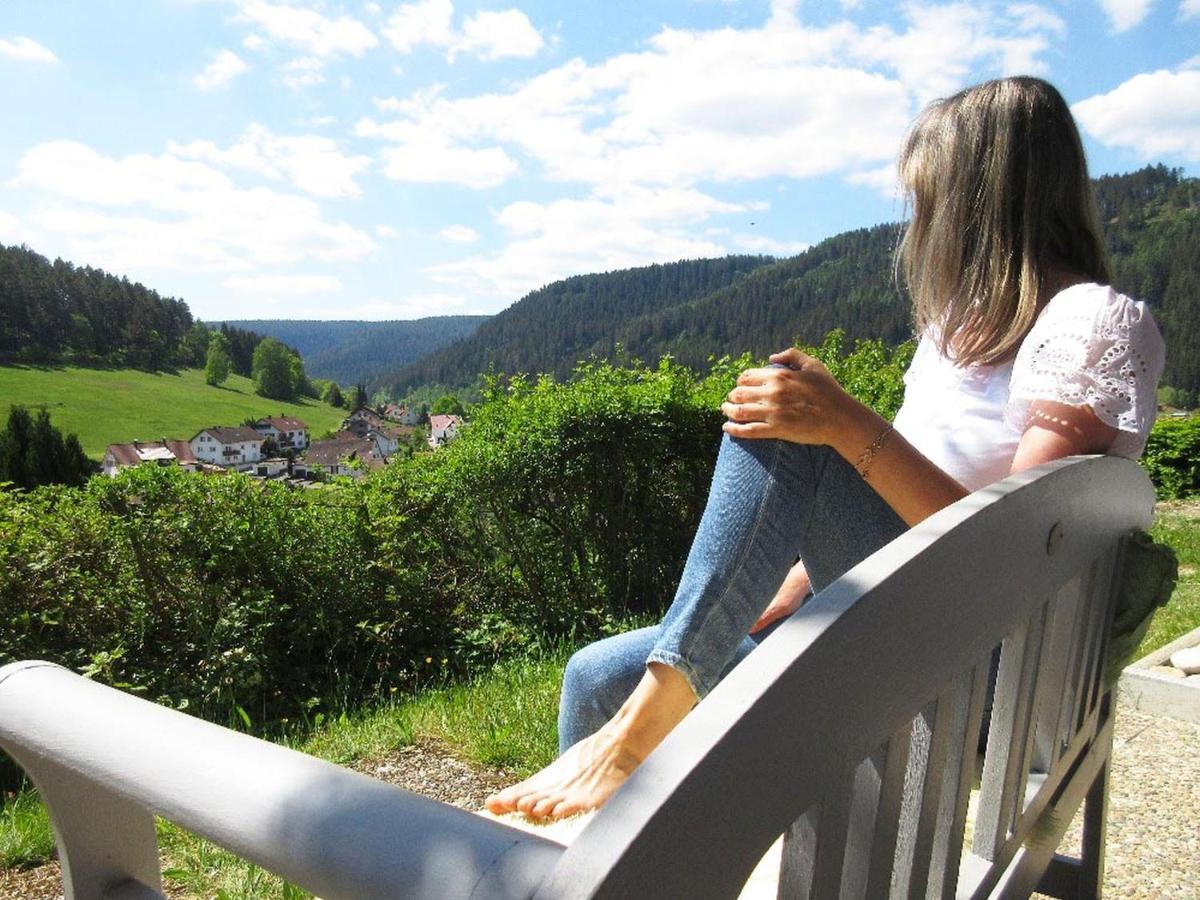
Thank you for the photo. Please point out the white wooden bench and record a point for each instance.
(853, 729)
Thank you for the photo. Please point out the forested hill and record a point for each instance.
(55, 311)
(350, 352)
(553, 327)
(1152, 225)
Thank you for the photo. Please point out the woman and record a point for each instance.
(1025, 356)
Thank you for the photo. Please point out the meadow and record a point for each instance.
(109, 406)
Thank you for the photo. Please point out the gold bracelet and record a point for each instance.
(863, 466)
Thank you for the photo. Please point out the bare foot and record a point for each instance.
(590, 772)
(583, 778)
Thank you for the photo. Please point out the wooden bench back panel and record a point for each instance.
(857, 722)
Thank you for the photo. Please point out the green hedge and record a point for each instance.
(1172, 457)
(561, 507)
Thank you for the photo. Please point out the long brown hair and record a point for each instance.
(1001, 208)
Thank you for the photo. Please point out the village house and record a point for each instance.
(443, 429)
(389, 438)
(229, 447)
(164, 453)
(363, 420)
(288, 433)
(343, 454)
(405, 415)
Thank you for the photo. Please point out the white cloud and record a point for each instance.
(488, 35)
(459, 234)
(145, 212)
(499, 35)
(312, 163)
(386, 231)
(304, 72)
(1154, 114)
(1032, 17)
(285, 285)
(26, 49)
(1125, 14)
(884, 179)
(429, 161)
(225, 67)
(253, 42)
(8, 227)
(726, 105)
(424, 22)
(1189, 9)
(309, 31)
(548, 241)
(373, 8)
(418, 306)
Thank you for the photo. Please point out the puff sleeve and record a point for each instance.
(1096, 348)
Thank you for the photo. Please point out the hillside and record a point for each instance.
(106, 406)
(553, 327)
(60, 312)
(1152, 226)
(350, 352)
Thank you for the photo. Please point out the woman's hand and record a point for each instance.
(802, 403)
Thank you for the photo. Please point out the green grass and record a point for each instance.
(26, 838)
(1177, 524)
(111, 406)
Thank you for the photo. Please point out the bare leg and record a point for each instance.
(763, 498)
(588, 773)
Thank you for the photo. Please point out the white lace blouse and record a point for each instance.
(1090, 346)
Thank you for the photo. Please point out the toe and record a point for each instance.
(543, 808)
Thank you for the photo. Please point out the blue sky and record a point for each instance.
(320, 160)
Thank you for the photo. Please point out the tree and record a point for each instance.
(34, 452)
(272, 370)
(446, 405)
(333, 395)
(358, 397)
(219, 361)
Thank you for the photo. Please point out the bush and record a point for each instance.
(1172, 457)
(560, 508)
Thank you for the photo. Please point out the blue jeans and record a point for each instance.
(770, 502)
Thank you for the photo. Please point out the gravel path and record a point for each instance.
(1153, 824)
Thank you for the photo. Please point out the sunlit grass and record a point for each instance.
(110, 406)
(1177, 524)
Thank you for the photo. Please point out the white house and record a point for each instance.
(228, 447)
(163, 453)
(344, 454)
(289, 433)
(388, 438)
(443, 429)
(405, 415)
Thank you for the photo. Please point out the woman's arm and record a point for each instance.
(805, 404)
(1056, 430)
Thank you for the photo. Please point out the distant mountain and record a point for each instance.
(702, 308)
(349, 352)
(553, 327)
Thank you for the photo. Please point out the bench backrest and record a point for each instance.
(854, 727)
